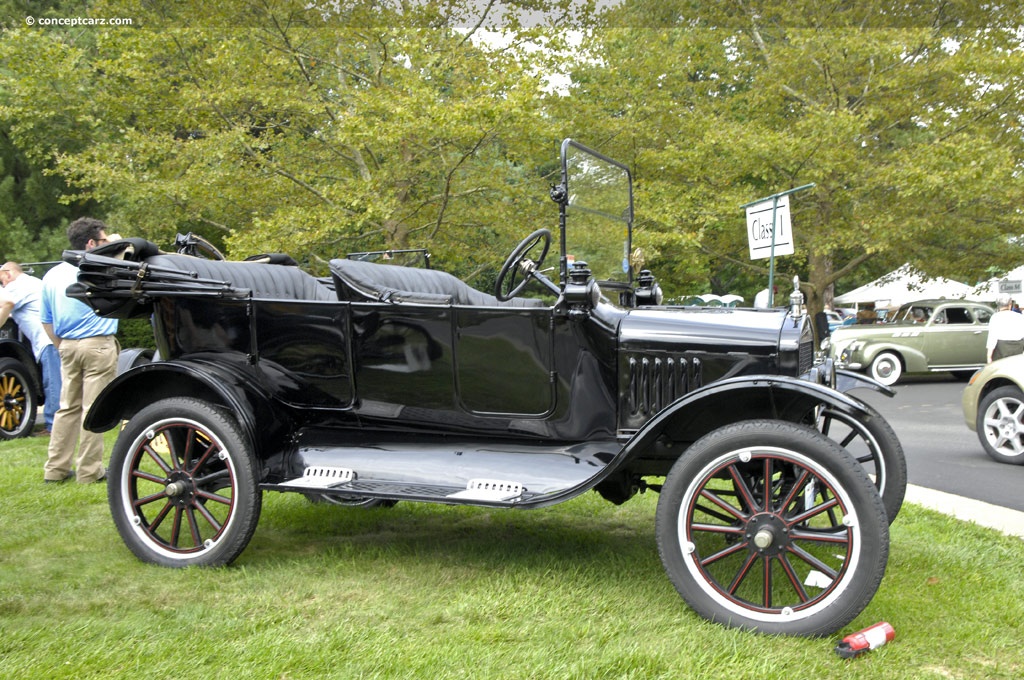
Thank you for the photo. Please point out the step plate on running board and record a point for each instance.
(321, 477)
(489, 490)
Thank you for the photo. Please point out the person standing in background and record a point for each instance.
(1005, 331)
(88, 362)
(20, 300)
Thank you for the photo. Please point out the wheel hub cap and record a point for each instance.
(768, 535)
(180, 489)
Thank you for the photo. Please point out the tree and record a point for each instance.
(907, 117)
(313, 129)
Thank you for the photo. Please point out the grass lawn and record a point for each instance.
(430, 591)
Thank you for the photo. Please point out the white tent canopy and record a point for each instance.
(989, 290)
(903, 285)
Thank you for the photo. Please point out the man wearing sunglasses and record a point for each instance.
(88, 362)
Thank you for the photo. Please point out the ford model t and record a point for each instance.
(384, 384)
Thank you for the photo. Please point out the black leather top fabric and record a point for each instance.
(266, 281)
(355, 280)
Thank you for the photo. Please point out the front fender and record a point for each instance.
(850, 380)
(914, 361)
(143, 385)
(728, 401)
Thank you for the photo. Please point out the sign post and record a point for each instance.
(771, 237)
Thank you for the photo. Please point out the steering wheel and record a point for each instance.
(519, 268)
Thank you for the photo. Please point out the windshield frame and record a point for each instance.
(565, 203)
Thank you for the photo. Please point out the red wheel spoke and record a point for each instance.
(193, 526)
(814, 512)
(741, 575)
(794, 580)
(724, 505)
(160, 516)
(813, 561)
(176, 528)
(742, 488)
(721, 554)
(216, 498)
(186, 456)
(794, 492)
(149, 477)
(204, 458)
(152, 498)
(156, 457)
(210, 519)
(838, 536)
(766, 582)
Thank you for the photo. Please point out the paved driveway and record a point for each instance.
(941, 452)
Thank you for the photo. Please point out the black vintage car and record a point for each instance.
(21, 383)
(21, 376)
(385, 383)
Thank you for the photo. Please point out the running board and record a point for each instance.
(344, 482)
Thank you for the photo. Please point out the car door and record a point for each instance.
(954, 337)
(504, 361)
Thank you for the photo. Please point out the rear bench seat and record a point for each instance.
(357, 281)
(267, 281)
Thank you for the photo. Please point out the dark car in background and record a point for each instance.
(383, 384)
(21, 376)
(21, 383)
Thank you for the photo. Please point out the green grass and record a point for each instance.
(425, 591)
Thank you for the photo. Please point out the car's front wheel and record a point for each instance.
(182, 485)
(18, 409)
(769, 525)
(1001, 425)
(887, 368)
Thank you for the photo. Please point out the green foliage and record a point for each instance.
(321, 128)
(906, 117)
(277, 127)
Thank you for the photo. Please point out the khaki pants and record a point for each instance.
(87, 366)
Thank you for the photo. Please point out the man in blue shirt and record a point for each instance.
(88, 362)
(20, 300)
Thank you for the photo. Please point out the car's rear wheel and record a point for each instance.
(182, 485)
(19, 400)
(769, 525)
(874, 444)
(1001, 425)
(887, 368)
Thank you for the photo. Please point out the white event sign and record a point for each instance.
(759, 228)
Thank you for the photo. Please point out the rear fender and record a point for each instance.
(728, 401)
(239, 394)
(15, 350)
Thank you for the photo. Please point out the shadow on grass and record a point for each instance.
(586, 533)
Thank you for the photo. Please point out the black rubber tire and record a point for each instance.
(182, 485)
(18, 399)
(874, 444)
(798, 565)
(1000, 425)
